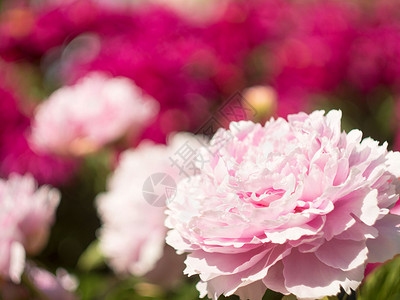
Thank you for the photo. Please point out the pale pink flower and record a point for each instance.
(295, 206)
(26, 214)
(97, 110)
(60, 287)
(132, 237)
(46, 285)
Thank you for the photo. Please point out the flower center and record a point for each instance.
(261, 199)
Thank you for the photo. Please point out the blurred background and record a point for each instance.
(190, 57)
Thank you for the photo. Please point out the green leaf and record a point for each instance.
(91, 258)
(382, 283)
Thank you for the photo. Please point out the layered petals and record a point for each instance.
(295, 206)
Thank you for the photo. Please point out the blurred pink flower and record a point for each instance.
(79, 119)
(27, 212)
(295, 206)
(58, 287)
(48, 286)
(132, 237)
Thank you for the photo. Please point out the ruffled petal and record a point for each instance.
(309, 278)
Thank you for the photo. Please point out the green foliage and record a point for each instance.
(271, 295)
(383, 283)
(77, 220)
(92, 258)
(106, 286)
(374, 115)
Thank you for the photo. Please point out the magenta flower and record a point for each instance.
(27, 212)
(295, 206)
(165, 56)
(378, 42)
(18, 157)
(97, 110)
(15, 154)
(29, 32)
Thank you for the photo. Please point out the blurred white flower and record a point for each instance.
(132, 237)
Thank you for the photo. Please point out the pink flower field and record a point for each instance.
(182, 150)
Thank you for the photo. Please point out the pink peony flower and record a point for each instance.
(26, 216)
(295, 206)
(97, 110)
(132, 237)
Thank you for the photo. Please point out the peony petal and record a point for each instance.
(201, 286)
(343, 254)
(253, 291)
(280, 236)
(175, 240)
(333, 118)
(358, 232)
(228, 284)
(275, 280)
(216, 264)
(369, 211)
(342, 171)
(311, 245)
(17, 262)
(393, 162)
(387, 244)
(361, 203)
(308, 278)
